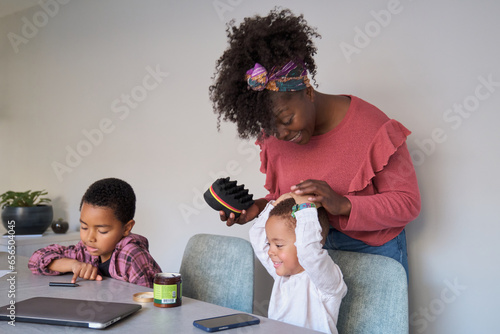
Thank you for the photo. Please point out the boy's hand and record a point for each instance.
(85, 271)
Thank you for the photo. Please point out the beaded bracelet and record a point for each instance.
(298, 207)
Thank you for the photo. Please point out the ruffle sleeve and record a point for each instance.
(386, 142)
(263, 155)
(270, 183)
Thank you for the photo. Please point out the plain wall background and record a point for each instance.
(78, 66)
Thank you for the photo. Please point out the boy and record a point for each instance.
(308, 286)
(107, 247)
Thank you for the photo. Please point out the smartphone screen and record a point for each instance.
(63, 284)
(226, 322)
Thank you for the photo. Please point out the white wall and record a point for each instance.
(72, 73)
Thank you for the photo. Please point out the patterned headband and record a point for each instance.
(290, 78)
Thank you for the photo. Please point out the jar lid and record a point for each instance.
(143, 297)
(168, 275)
(167, 278)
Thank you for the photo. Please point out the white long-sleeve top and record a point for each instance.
(311, 298)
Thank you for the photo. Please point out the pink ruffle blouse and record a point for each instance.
(364, 158)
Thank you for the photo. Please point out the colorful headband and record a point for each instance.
(290, 78)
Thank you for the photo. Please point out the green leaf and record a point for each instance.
(24, 198)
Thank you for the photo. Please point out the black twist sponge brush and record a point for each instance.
(225, 195)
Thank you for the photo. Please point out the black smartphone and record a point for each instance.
(226, 322)
(62, 284)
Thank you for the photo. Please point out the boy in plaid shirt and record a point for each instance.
(107, 247)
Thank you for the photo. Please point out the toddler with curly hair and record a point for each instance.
(287, 238)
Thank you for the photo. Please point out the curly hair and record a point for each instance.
(284, 210)
(112, 193)
(271, 40)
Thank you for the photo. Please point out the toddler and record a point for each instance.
(308, 286)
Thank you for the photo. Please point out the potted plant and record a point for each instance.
(28, 210)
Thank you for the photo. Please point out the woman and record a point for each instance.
(338, 149)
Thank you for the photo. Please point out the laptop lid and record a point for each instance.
(69, 312)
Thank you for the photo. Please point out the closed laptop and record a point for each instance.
(68, 312)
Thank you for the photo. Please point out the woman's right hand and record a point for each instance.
(246, 215)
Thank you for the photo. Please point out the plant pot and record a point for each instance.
(28, 220)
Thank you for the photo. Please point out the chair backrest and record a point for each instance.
(377, 296)
(219, 270)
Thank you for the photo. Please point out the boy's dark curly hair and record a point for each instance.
(284, 209)
(112, 193)
(271, 40)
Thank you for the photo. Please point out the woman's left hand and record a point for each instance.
(320, 192)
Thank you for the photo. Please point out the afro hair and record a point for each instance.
(112, 193)
(272, 40)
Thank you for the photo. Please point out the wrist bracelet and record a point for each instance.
(298, 207)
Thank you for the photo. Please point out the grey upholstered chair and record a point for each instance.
(377, 296)
(219, 270)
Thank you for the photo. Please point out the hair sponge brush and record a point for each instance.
(229, 197)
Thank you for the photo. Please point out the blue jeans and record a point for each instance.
(395, 248)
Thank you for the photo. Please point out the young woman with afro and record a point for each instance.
(339, 150)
